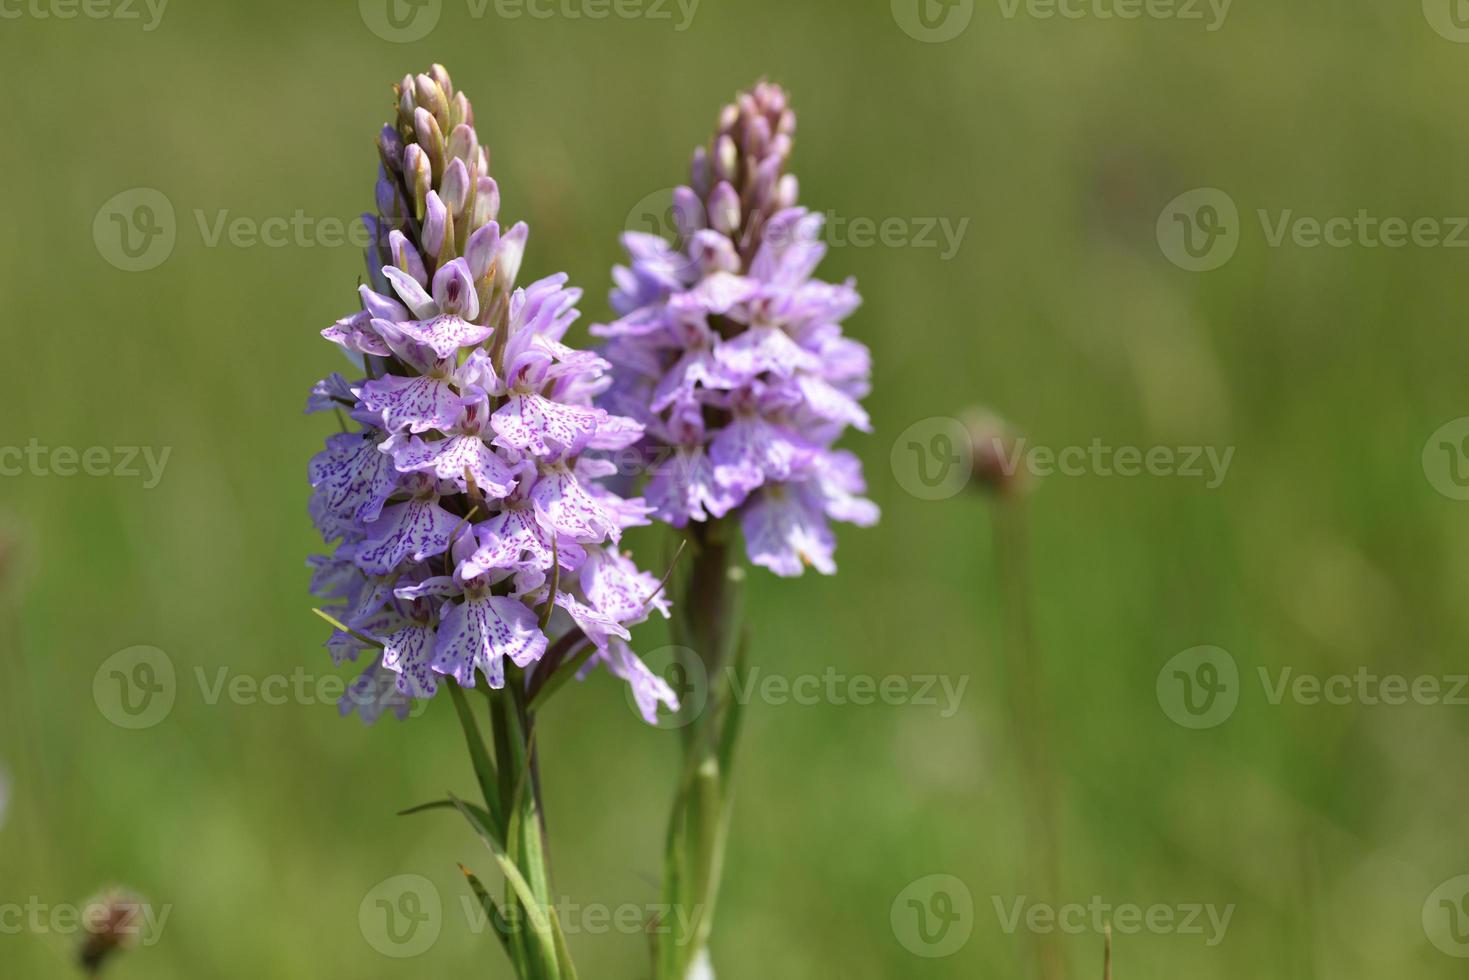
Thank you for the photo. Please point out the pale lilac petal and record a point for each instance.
(616, 432)
(828, 402)
(515, 539)
(760, 349)
(380, 307)
(648, 689)
(353, 476)
(785, 533)
(357, 335)
(333, 392)
(617, 587)
(480, 633)
(684, 488)
(419, 403)
(595, 625)
(562, 505)
(751, 451)
(535, 424)
(447, 333)
(416, 529)
(413, 295)
(407, 653)
(448, 459)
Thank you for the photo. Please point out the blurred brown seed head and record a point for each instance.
(996, 458)
(113, 920)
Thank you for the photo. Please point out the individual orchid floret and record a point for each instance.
(732, 355)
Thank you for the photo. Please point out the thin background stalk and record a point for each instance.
(1028, 715)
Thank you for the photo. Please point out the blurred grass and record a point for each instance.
(1060, 141)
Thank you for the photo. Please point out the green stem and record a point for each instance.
(707, 619)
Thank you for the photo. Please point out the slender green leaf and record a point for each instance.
(484, 767)
(479, 811)
(540, 924)
(497, 918)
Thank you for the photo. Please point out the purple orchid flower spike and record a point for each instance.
(730, 353)
(471, 417)
(733, 357)
(475, 537)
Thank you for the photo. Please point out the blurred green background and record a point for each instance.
(1060, 142)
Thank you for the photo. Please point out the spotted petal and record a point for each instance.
(562, 505)
(407, 653)
(418, 403)
(416, 529)
(480, 633)
(446, 334)
(449, 458)
(535, 424)
(353, 476)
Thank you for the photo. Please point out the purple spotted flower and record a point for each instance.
(732, 356)
(472, 527)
